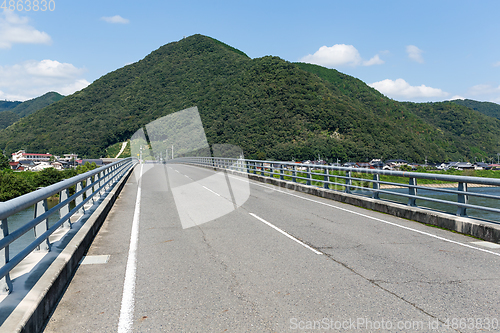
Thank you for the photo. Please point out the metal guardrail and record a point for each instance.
(88, 186)
(334, 177)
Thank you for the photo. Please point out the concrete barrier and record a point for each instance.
(33, 311)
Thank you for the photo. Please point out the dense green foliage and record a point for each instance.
(461, 130)
(4, 162)
(6, 105)
(14, 184)
(271, 108)
(7, 118)
(487, 108)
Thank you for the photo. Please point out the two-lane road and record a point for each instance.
(220, 253)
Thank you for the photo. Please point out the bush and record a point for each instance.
(12, 185)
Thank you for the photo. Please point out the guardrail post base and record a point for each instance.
(5, 283)
(462, 198)
(40, 228)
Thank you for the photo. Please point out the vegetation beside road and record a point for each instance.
(384, 178)
(14, 184)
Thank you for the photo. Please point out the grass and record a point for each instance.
(113, 150)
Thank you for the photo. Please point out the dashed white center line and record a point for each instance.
(285, 233)
(206, 188)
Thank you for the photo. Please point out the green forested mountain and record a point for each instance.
(28, 107)
(269, 107)
(6, 105)
(487, 108)
(7, 118)
(18, 110)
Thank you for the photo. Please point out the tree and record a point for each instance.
(4, 162)
(12, 185)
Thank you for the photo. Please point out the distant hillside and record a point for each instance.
(28, 107)
(23, 109)
(269, 107)
(6, 105)
(7, 118)
(487, 108)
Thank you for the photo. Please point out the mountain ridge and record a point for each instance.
(269, 107)
(19, 110)
(487, 108)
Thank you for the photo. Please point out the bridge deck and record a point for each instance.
(239, 274)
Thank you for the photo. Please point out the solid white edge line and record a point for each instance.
(384, 221)
(127, 307)
(285, 233)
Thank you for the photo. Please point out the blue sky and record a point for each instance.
(409, 50)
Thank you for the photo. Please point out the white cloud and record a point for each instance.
(34, 78)
(484, 89)
(373, 61)
(485, 92)
(457, 97)
(415, 54)
(339, 55)
(402, 89)
(496, 64)
(15, 29)
(115, 19)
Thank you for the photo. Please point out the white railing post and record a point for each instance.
(412, 191)
(5, 283)
(63, 195)
(348, 182)
(462, 198)
(40, 228)
(376, 186)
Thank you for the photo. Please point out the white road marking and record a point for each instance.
(383, 221)
(285, 233)
(371, 217)
(93, 260)
(206, 188)
(127, 308)
(487, 244)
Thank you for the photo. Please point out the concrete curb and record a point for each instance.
(473, 227)
(34, 310)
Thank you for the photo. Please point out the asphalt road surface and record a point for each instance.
(192, 250)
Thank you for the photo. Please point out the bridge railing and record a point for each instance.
(349, 181)
(88, 188)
